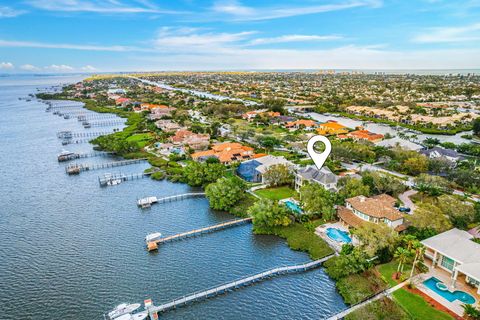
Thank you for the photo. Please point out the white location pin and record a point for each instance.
(319, 158)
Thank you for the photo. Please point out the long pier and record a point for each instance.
(148, 201)
(70, 134)
(76, 168)
(153, 244)
(111, 179)
(73, 156)
(104, 123)
(227, 287)
(86, 117)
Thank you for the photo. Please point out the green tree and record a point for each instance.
(269, 142)
(403, 256)
(428, 216)
(383, 183)
(275, 105)
(197, 174)
(476, 127)
(347, 264)
(267, 214)
(432, 185)
(351, 187)
(375, 237)
(278, 175)
(416, 165)
(317, 200)
(461, 213)
(225, 193)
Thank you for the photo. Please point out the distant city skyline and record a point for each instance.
(145, 35)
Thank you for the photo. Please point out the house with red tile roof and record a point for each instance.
(363, 135)
(301, 124)
(226, 153)
(193, 140)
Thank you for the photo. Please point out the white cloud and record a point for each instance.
(449, 34)
(191, 39)
(346, 57)
(7, 12)
(59, 68)
(239, 12)
(6, 66)
(98, 6)
(29, 67)
(294, 38)
(33, 44)
(88, 68)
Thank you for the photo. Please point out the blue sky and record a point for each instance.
(147, 35)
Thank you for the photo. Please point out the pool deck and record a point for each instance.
(445, 277)
(337, 246)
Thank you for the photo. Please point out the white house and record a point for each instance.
(455, 252)
(324, 177)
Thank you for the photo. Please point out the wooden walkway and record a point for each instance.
(70, 134)
(148, 201)
(153, 245)
(378, 296)
(215, 291)
(111, 179)
(76, 168)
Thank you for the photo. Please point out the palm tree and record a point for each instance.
(402, 256)
(419, 250)
(471, 312)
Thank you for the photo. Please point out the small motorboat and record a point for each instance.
(123, 310)
(136, 316)
(153, 236)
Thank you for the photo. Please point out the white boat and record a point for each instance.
(136, 316)
(153, 236)
(114, 182)
(123, 309)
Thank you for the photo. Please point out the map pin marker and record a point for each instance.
(319, 158)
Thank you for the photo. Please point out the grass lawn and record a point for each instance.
(417, 308)
(276, 193)
(357, 287)
(301, 239)
(141, 139)
(388, 269)
(382, 309)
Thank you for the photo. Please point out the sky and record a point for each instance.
(155, 35)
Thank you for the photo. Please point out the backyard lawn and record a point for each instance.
(141, 139)
(276, 193)
(380, 309)
(417, 307)
(388, 269)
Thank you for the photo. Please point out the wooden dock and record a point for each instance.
(111, 179)
(74, 156)
(86, 117)
(148, 201)
(76, 168)
(103, 123)
(153, 245)
(71, 135)
(230, 286)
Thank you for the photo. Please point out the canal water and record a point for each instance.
(72, 250)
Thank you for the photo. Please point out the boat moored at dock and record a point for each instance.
(123, 310)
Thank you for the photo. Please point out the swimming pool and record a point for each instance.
(462, 296)
(338, 235)
(293, 206)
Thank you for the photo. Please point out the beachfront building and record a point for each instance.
(331, 128)
(253, 170)
(226, 153)
(454, 252)
(323, 177)
(377, 209)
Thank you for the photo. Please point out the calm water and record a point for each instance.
(72, 250)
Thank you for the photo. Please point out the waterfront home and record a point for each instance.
(364, 135)
(455, 252)
(169, 148)
(331, 128)
(188, 138)
(442, 153)
(253, 170)
(377, 209)
(226, 153)
(301, 124)
(167, 125)
(323, 177)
